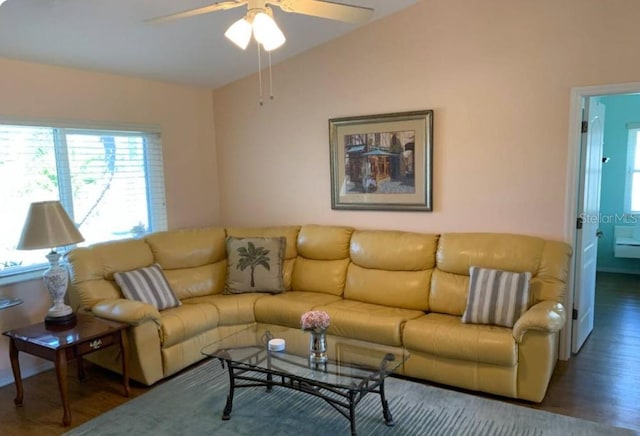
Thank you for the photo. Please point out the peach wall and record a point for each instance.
(497, 74)
(184, 114)
(36, 303)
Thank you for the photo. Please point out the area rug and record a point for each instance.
(192, 404)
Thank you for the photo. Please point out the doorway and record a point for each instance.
(578, 176)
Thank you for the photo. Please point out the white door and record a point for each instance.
(588, 216)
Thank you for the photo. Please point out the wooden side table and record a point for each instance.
(64, 345)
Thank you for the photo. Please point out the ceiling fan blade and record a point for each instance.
(325, 9)
(221, 6)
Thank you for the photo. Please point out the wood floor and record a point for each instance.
(601, 383)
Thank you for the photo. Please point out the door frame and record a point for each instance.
(577, 99)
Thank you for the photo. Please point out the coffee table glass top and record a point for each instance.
(351, 362)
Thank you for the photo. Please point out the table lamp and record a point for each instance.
(49, 226)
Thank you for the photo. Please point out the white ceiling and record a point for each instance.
(111, 36)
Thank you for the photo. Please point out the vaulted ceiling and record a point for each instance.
(112, 36)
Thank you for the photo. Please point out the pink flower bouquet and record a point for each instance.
(315, 320)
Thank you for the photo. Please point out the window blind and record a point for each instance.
(111, 182)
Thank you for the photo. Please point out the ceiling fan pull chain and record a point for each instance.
(270, 79)
(260, 75)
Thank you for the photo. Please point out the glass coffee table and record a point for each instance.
(353, 369)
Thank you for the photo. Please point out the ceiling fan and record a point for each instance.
(259, 18)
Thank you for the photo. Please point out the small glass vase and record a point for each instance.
(318, 346)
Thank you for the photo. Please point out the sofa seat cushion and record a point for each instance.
(446, 336)
(232, 309)
(287, 309)
(368, 322)
(186, 321)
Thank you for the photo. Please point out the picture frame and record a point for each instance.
(382, 162)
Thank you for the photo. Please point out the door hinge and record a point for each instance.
(579, 222)
(574, 314)
(585, 127)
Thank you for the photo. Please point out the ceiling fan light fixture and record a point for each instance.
(239, 33)
(267, 32)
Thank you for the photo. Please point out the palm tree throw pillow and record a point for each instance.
(254, 265)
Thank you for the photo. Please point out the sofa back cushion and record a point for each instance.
(323, 258)
(193, 260)
(187, 248)
(199, 281)
(550, 283)
(391, 268)
(92, 269)
(547, 261)
(288, 232)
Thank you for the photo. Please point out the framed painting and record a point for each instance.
(382, 162)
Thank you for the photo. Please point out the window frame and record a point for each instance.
(633, 147)
(155, 180)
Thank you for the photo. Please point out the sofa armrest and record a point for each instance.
(547, 316)
(127, 311)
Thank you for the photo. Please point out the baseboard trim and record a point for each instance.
(619, 270)
(6, 376)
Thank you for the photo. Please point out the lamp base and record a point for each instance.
(60, 322)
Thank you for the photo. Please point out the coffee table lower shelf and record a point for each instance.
(343, 399)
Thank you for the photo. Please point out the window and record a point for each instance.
(110, 182)
(632, 185)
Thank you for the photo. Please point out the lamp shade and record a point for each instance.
(48, 226)
(267, 32)
(239, 33)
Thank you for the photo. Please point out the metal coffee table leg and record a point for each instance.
(226, 414)
(388, 419)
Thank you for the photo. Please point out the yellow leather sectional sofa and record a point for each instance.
(389, 287)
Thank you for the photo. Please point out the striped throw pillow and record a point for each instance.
(148, 285)
(496, 297)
